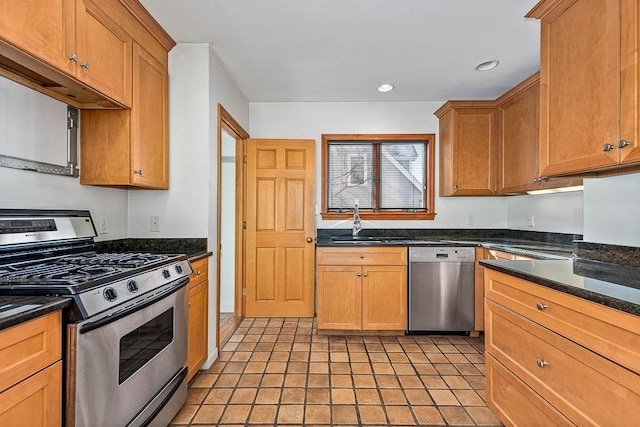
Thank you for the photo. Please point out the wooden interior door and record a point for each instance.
(280, 228)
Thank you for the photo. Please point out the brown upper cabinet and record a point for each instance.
(518, 141)
(468, 147)
(67, 47)
(108, 58)
(589, 85)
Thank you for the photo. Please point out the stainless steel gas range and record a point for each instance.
(126, 334)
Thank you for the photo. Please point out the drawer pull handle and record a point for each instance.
(542, 363)
(542, 306)
(361, 255)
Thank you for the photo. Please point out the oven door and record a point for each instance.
(128, 367)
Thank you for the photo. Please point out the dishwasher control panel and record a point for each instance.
(441, 254)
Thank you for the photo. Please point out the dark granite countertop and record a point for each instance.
(198, 256)
(613, 285)
(192, 247)
(18, 309)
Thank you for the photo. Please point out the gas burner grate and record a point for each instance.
(54, 273)
(124, 260)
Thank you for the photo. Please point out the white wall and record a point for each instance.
(311, 120)
(612, 210)
(197, 83)
(556, 213)
(27, 121)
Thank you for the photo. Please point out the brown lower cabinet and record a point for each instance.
(197, 341)
(556, 359)
(31, 373)
(362, 288)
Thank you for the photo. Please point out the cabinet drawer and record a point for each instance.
(585, 387)
(200, 272)
(609, 332)
(29, 347)
(515, 403)
(362, 256)
(36, 401)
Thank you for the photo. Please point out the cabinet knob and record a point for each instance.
(198, 273)
(622, 143)
(455, 186)
(84, 64)
(361, 255)
(138, 172)
(542, 306)
(542, 363)
(608, 147)
(309, 240)
(358, 274)
(73, 58)
(536, 179)
(366, 274)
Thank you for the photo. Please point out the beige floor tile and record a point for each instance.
(483, 416)
(208, 414)
(379, 357)
(255, 367)
(467, 369)
(446, 369)
(361, 368)
(250, 380)
(295, 380)
(219, 396)
(226, 380)
(456, 416)
(469, 398)
(339, 356)
(428, 415)
(318, 367)
(404, 369)
(372, 415)
(290, 414)
(268, 396)
(196, 396)
(298, 368)
(367, 396)
(410, 381)
(364, 381)
(456, 382)
(276, 367)
(400, 415)
(387, 381)
(359, 357)
(243, 395)
(318, 380)
(299, 356)
(236, 414)
(342, 396)
(398, 358)
(185, 415)
(341, 381)
(444, 397)
(204, 380)
(293, 395)
(340, 367)
(425, 369)
(382, 368)
(318, 396)
(418, 397)
(393, 397)
(317, 414)
(344, 414)
(272, 380)
(260, 356)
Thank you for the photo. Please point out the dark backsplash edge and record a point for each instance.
(189, 246)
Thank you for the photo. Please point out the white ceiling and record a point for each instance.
(341, 50)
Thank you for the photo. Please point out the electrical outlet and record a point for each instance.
(154, 224)
(471, 219)
(103, 226)
(531, 220)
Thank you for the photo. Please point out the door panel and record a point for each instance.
(280, 218)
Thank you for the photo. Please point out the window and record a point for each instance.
(388, 176)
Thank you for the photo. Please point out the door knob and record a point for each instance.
(309, 240)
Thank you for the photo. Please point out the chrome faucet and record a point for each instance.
(357, 225)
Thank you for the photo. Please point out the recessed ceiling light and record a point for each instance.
(487, 65)
(386, 87)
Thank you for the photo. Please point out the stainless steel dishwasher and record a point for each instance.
(441, 289)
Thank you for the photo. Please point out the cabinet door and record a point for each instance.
(36, 401)
(197, 336)
(519, 139)
(384, 298)
(42, 28)
(104, 53)
(149, 128)
(630, 90)
(339, 296)
(468, 142)
(580, 86)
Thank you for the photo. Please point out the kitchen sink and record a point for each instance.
(352, 239)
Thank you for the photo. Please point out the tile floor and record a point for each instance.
(280, 372)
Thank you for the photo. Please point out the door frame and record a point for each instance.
(228, 123)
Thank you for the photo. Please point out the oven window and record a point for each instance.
(142, 344)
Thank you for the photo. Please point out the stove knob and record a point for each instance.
(110, 294)
(179, 269)
(132, 286)
(166, 274)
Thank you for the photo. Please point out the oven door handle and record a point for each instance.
(139, 305)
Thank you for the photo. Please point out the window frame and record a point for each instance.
(428, 213)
